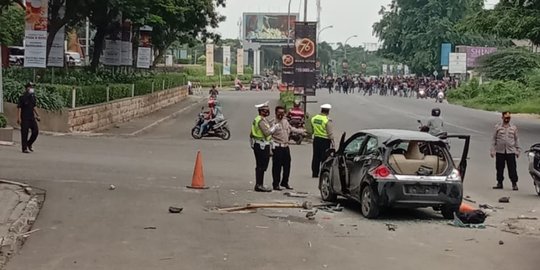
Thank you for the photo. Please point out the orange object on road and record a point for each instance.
(197, 181)
(465, 208)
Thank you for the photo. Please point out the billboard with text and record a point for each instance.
(268, 27)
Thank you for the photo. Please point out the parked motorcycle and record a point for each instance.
(220, 130)
(297, 137)
(534, 165)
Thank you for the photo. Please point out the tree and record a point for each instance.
(412, 31)
(5, 4)
(509, 64)
(11, 26)
(519, 19)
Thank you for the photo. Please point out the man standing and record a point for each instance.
(27, 118)
(324, 138)
(281, 158)
(505, 149)
(261, 137)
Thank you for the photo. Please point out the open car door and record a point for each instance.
(462, 167)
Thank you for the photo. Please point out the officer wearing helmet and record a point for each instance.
(323, 133)
(435, 123)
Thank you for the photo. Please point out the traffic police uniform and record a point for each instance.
(261, 138)
(323, 138)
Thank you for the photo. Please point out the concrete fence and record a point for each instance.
(102, 116)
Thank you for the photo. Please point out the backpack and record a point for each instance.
(474, 217)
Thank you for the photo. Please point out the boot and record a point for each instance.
(498, 186)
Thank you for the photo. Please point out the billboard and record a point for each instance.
(56, 54)
(457, 63)
(240, 61)
(473, 53)
(144, 52)
(35, 33)
(268, 27)
(209, 59)
(305, 57)
(446, 49)
(287, 63)
(226, 60)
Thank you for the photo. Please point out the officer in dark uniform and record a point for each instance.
(27, 118)
(323, 138)
(261, 139)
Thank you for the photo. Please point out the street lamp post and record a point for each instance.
(319, 34)
(289, 25)
(345, 45)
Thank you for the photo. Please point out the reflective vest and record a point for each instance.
(319, 123)
(256, 131)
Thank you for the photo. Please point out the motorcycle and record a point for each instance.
(220, 130)
(440, 97)
(421, 93)
(297, 137)
(441, 135)
(534, 165)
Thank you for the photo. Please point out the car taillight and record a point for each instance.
(382, 173)
(455, 176)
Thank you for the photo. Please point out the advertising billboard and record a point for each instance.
(144, 52)
(226, 60)
(287, 63)
(240, 61)
(305, 57)
(473, 53)
(457, 63)
(35, 33)
(446, 49)
(209, 59)
(268, 27)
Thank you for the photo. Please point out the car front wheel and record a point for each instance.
(326, 188)
(370, 208)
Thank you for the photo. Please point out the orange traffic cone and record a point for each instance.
(465, 208)
(197, 182)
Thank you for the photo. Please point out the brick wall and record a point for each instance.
(102, 116)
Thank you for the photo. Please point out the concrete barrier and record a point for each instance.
(101, 116)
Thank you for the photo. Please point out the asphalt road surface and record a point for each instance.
(84, 225)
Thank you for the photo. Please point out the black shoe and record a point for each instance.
(515, 187)
(30, 148)
(287, 187)
(261, 188)
(26, 151)
(277, 189)
(498, 186)
(314, 176)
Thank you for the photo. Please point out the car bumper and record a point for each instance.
(408, 194)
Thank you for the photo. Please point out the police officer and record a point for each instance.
(27, 118)
(261, 138)
(505, 148)
(324, 138)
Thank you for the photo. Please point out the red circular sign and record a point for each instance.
(305, 47)
(288, 60)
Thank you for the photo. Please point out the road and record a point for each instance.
(84, 225)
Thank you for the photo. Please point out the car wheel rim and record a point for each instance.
(325, 187)
(366, 201)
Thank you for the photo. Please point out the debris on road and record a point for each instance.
(253, 206)
(150, 228)
(27, 234)
(112, 187)
(175, 210)
(527, 218)
(501, 242)
(309, 243)
(262, 227)
(391, 227)
(311, 215)
(448, 250)
(468, 198)
(296, 194)
(504, 200)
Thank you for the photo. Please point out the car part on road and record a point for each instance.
(504, 200)
(252, 206)
(391, 227)
(175, 210)
(296, 194)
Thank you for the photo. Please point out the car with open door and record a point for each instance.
(387, 168)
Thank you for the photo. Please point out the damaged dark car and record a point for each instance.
(395, 169)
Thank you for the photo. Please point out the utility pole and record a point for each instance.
(87, 45)
(1, 82)
(304, 97)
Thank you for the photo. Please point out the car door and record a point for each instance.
(350, 151)
(362, 163)
(462, 166)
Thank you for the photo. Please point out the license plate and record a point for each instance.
(422, 189)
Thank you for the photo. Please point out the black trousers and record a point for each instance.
(28, 125)
(506, 159)
(281, 160)
(262, 158)
(320, 145)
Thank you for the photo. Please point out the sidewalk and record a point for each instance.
(19, 207)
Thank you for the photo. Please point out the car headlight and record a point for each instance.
(454, 176)
(531, 155)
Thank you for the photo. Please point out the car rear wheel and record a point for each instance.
(370, 208)
(448, 211)
(326, 188)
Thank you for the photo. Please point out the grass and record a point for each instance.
(530, 106)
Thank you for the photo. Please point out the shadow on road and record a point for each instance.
(394, 214)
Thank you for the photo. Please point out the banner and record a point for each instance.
(144, 52)
(446, 49)
(126, 47)
(269, 27)
(226, 60)
(305, 57)
(384, 69)
(35, 34)
(458, 63)
(57, 52)
(240, 61)
(287, 63)
(209, 59)
(474, 53)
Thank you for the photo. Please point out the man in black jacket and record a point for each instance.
(27, 118)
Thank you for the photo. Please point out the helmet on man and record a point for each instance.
(436, 112)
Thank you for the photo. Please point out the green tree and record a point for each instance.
(12, 26)
(519, 19)
(510, 64)
(412, 31)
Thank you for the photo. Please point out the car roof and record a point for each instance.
(391, 135)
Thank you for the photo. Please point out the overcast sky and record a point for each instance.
(349, 17)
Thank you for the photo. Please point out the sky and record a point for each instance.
(348, 17)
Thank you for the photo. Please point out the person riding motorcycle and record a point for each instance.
(213, 92)
(435, 123)
(212, 117)
(296, 113)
